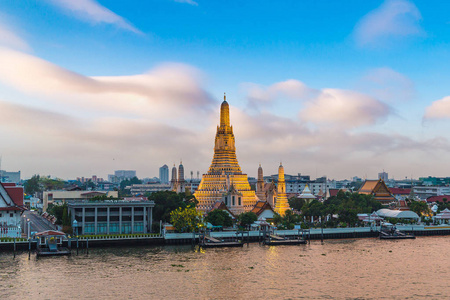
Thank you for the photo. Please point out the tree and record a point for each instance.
(186, 219)
(219, 217)
(419, 207)
(32, 185)
(167, 201)
(247, 218)
(296, 203)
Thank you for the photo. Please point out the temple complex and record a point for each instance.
(224, 180)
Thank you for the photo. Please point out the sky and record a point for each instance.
(328, 88)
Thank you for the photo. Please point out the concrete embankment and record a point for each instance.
(315, 233)
(252, 236)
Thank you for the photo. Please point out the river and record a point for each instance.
(337, 269)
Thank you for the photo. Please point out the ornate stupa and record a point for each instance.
(224, 169)
(281, 204)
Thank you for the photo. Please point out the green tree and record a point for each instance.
(167, 201)
(51, 184)
(219, 217)
(419, 207)
(33, 185)
(247, 218)
(296, 203)
(186, 219)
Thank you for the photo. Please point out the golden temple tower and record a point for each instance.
(281, 204)
(224, 167)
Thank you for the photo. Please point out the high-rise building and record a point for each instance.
(224, 173)
(125, 174)
(164, 174)
(383, 176)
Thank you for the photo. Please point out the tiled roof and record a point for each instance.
(438, 198)
(400, 191)
(368, 186)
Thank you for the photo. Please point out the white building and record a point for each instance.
(424, 192)
(11, 208)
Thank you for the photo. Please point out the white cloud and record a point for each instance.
(344, 108)
(439, 109)
(12, 40)
(160, 93)
(388, 85)
(92, 11)
(191, 2)
(393, 18)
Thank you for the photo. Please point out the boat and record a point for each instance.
(207, 241)
(50, 243)
(275, 240)
(390, 232)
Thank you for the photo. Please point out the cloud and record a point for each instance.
(292, 89)
(344, 108)
(439, 109)
(11, 40)
(394, 18)
(191, 2)
(92, 11)
(388, 85)
(162, 92)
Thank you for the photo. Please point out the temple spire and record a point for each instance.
(224, 113)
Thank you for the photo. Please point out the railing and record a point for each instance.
(119, 237)
(10, 232)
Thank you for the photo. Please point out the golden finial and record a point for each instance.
(224, 96)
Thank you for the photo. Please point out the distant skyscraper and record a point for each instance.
(384, 176)
(125, 174)
(164, 174)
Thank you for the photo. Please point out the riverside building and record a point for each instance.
(111, 216)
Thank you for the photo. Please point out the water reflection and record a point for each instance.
(365, 268)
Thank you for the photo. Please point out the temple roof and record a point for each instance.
(260, 207)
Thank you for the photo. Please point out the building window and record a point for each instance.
(11, 215)
(226, 201)
(233, 201)
(239, 200)
(138, 227)
(102, 228)
(113, 227)
(126, 228)
(89, 228)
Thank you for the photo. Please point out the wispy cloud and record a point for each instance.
(348, 109)
(92, 11)
(388, 85)
(439, 109)
(191, 2)
(394, 18)
(10, 39)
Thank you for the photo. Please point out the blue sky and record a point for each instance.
(336, 88)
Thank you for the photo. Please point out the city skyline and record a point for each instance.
(89, 87)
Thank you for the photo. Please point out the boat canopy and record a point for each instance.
(399, 214)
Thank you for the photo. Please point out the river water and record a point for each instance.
(337, 269)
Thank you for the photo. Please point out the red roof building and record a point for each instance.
(440, 198)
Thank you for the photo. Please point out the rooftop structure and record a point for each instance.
(378, 189)
(224, 169)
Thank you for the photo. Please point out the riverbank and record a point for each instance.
(253, 236)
